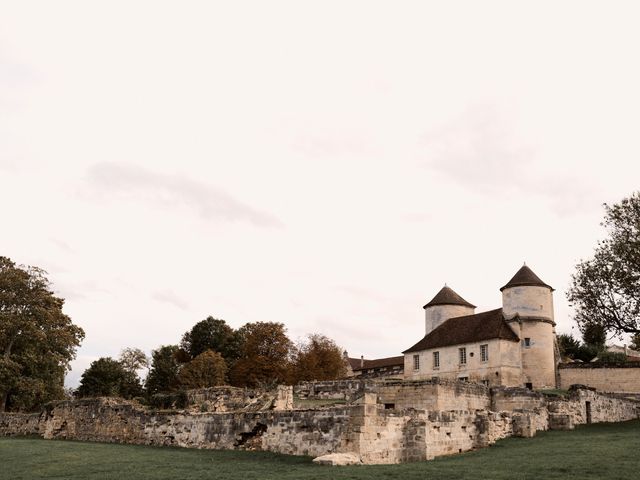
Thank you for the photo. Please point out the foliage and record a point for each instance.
(265, 355)
(133, 360)
(211, 334)
(318, 359)
(635, 342)
(37, 340)
(594, 334)
(590, 452)
(206, 370)
(612, 357)
(574, 349)
(568, 345)
(605, 289)
(107, 377)
(163, 374)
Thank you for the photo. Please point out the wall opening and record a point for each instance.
(588, 408)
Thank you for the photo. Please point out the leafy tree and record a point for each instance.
(605, 289)
(211, 334)
(206, 370)
(133, 360)
(594, 334)
(165, 365)
(107, 377)
(318, 359)
(569, 346)
(635, 342)
(37, 340)
(612, 357)
(265, 355)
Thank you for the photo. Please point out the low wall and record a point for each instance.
(347, 390)
(369, 428)
(615, 378)
(432, 395)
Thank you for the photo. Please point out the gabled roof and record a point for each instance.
(525, 277)
(447, 296)
(381, 362)
(468, 329)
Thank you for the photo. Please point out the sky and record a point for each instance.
(325, 164)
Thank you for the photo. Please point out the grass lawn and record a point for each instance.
(601, 451)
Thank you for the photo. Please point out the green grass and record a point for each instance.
(601, 451)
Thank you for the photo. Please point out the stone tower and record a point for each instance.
(445, 305)
(527, 304)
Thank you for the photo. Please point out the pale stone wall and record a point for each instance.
(502, 368)
(433, 395)
(438, 314)
(330, 389)
(19, 424)
(230, 399)
(538, 358)
(620, 378)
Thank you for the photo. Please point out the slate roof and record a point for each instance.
(381, 362)
(446, 296)
(525, 277)
(467, 329)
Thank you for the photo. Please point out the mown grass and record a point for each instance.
(601, 451)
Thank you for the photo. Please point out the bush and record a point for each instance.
(612, 357)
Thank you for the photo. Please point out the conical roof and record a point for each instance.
(447, 296)
(525, 277)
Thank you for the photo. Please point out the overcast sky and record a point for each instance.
(329, 165)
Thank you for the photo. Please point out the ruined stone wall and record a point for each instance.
(432, 395)
(19, 424)
(620, 377)
(330, 390)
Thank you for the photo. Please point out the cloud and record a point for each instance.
(167, 296)
(480, 152)
(209, 202)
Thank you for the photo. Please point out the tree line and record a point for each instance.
(212, 353)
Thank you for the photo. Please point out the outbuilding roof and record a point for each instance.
(525, 277)
(382, 362)
(467, 329)
(446, 296)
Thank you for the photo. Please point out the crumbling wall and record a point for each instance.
(347, 390)
(19, 424)
(432, 395)
(234, 399)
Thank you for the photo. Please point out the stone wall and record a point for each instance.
(619, 377)
(374, 429)
(347, 390)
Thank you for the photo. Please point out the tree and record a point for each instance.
(206, 370)
(265, 355)
(211, 334)
(594, 334)
(569, 346)
(133, 360)
(107, 377)
(635, 342)
(318, 359)
(605, 289)
(37, 340)
(163, 375)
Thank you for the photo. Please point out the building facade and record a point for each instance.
(514, 345)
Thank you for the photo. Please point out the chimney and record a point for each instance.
(361, 361)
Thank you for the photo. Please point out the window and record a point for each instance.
(416, 362)
(527, 342)
(485, 383)
(462, 352)
(528, 386)
(484, 353)
(463, 379)
(436, 359)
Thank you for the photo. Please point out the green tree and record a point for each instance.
(265, 355)
(133, 360)
(635, 342)
(594, 334)
(37, 340)
(605, 289)
(107, 377)
(206, 370)
(319, 358)
(211, 334)
(165, 365)
(569, 346)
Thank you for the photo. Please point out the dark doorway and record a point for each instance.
(588, 408)
(529, 385)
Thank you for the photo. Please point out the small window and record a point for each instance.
(462, 353)
(527, 342)
(485, 383)
(529, 386)
(463, 379)
(416, 362)
(436, 359)
(484, 353)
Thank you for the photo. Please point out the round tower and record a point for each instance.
(445, 305)
(527, 305)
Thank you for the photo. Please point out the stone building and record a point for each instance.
(514, 345)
